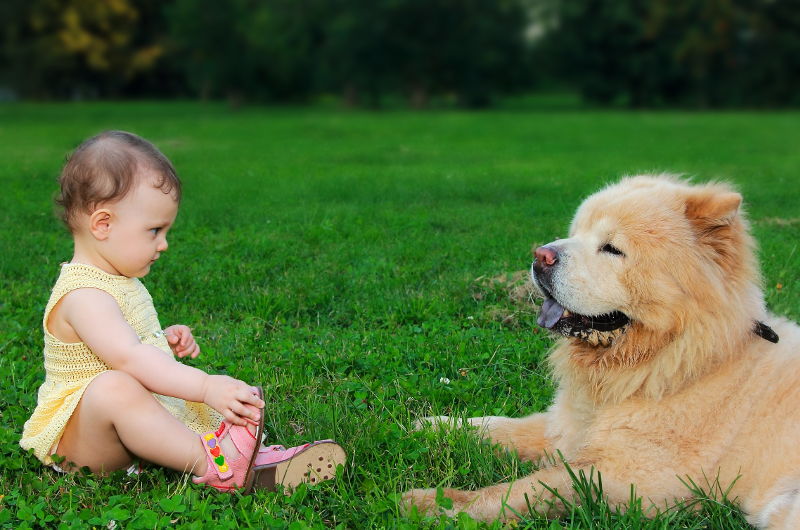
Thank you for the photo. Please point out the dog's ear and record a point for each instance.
(712, 207)
(713, 212)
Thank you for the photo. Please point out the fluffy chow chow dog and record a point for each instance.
(670, 368)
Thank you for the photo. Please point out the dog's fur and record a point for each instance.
(687, 392)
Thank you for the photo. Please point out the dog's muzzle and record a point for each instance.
(597, 330)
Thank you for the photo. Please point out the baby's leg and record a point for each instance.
(117, 418)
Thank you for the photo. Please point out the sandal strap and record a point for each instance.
(277, 454)
(243, 440)
(217, 460)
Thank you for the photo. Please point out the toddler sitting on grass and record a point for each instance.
(113, 389)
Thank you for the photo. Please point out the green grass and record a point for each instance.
(331, 256)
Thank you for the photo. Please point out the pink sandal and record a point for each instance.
(225, 473)
(312, 463)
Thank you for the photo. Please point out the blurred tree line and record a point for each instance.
(637, 52)
(680, 52)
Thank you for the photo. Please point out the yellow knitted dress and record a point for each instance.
(70, 367)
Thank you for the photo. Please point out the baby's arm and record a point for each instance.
(98, 321)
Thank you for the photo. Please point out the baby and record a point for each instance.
(113, 389)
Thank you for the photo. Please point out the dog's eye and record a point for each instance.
(611, 249)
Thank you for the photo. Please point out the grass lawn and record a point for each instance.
(332, 256)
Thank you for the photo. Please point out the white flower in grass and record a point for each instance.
(444, 380)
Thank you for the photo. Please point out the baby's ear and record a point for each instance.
(712, 206)
(100, 224)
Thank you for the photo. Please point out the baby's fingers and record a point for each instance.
(193, 350)
(231, 417)
(251, 398)
(253, 412)
(246, 412)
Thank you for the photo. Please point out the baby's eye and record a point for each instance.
(155, 230)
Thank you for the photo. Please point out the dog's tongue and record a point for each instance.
(551, 312)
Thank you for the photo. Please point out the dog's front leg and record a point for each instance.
(507, 501)
(517, 499)
(526, 435)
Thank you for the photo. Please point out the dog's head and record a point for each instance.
(647, 255)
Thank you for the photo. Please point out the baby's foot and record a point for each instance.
(231, 452)
(229, 447)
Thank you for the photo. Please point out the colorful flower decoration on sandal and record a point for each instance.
(212, 446)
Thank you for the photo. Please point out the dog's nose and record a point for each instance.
(546, 256)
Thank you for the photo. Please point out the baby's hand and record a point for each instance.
(181, 341)
(232, 398)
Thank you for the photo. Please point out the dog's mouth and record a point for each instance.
(597, 330)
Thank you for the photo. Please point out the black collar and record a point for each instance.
(765, 332)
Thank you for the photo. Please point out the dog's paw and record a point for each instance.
(434, 501)
(436, 422)
(423, 499)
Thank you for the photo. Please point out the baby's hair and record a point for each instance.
(104, 169)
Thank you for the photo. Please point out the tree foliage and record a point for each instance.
(77, 48)
(641, 52)
(467, 49)
(282, 50)
(245, 48)
(688, 52)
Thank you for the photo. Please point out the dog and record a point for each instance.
(669, 369)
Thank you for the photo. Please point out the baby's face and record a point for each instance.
(139, 227)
